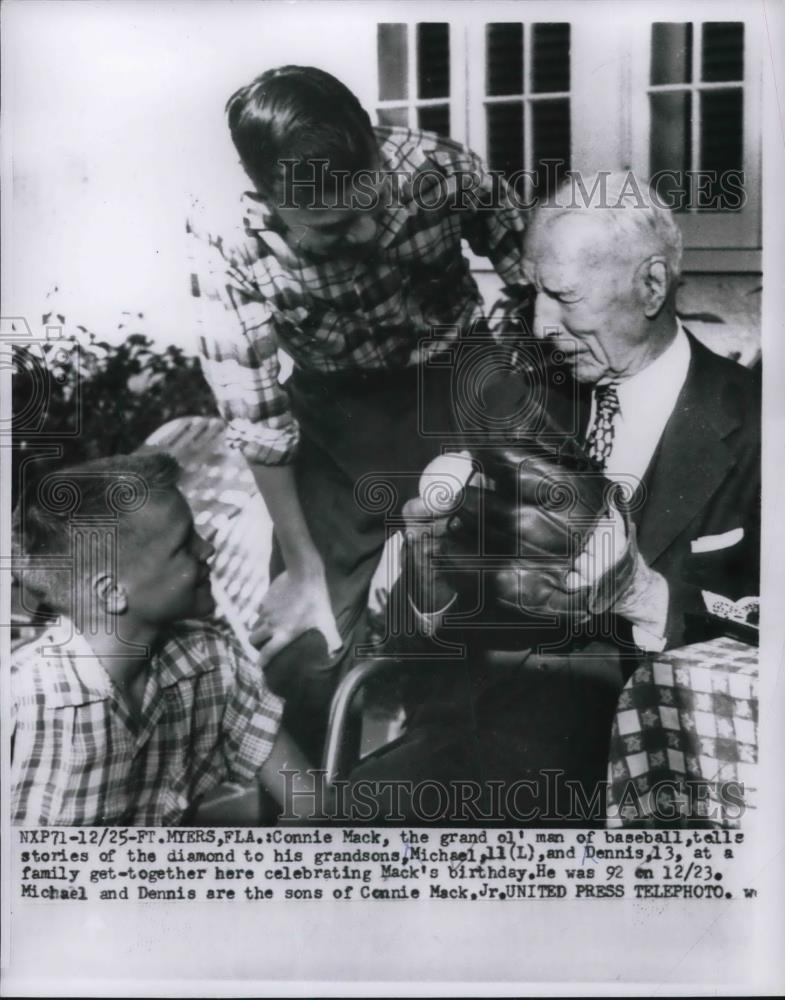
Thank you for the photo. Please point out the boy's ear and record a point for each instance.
(110, 594)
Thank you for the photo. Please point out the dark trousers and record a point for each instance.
(498, 738)
(365, 439)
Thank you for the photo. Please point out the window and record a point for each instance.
(523, 126)
(537, 99)
(695, 114)
(414, 76)
(696, 110)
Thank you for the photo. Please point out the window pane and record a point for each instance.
(551, 140)
(393, 62)
(723, 51)
(671, 53)
(505, 137)
(670, 143)
(435, 119)
(722, 144)
(433, 60)
(393, 116)
(550, 58)
(504, 59)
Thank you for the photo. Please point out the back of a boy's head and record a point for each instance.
(88, 500)
(302, 114)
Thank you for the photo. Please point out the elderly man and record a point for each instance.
(653, 410)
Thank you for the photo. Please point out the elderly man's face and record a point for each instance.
(587, 300)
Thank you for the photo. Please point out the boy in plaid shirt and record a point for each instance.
(137, 705)
(349, 258)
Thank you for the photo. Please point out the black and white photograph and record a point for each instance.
(391, 464)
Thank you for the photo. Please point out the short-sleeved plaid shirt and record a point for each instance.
(337, 314)
(79, 759)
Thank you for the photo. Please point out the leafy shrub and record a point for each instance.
(89, 398)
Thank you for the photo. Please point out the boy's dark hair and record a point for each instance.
(53, 507)
(303, 114)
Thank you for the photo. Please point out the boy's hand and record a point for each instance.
(291, 606)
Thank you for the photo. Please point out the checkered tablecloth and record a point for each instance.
(684, 740)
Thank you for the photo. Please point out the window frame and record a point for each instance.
(713, 241)
(457, 97)
(609, 115)
(476, 117)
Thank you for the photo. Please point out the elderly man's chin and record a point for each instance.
(584, 366)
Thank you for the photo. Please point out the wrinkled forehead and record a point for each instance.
(569, 244)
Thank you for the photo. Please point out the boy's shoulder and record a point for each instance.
(403, 148)
(197, 646)
(56, 670)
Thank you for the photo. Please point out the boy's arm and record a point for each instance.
(239, 358)
(254, 744)
(491, 220)
(298, 599)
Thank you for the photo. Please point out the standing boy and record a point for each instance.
(350, 260)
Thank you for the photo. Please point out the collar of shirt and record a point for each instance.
(71, 674)
(646, 402)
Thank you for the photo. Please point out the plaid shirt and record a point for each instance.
(253, 295)
(79, 759)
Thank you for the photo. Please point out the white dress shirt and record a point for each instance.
(646, 402)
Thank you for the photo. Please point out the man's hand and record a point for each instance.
(291, 606)
(557, 547)
(545, 501)
(511, 548)
(603, 570)
(297, 600)
(615, 575)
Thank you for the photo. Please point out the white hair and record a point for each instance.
(627, 206)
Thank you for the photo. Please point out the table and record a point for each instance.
(684, 743)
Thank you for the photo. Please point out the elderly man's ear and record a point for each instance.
(651, 279)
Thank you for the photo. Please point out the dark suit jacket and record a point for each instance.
(702, 488)
(697, 511)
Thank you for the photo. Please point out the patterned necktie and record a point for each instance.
(599, 442)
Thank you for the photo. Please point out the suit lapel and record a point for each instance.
(692, 458)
